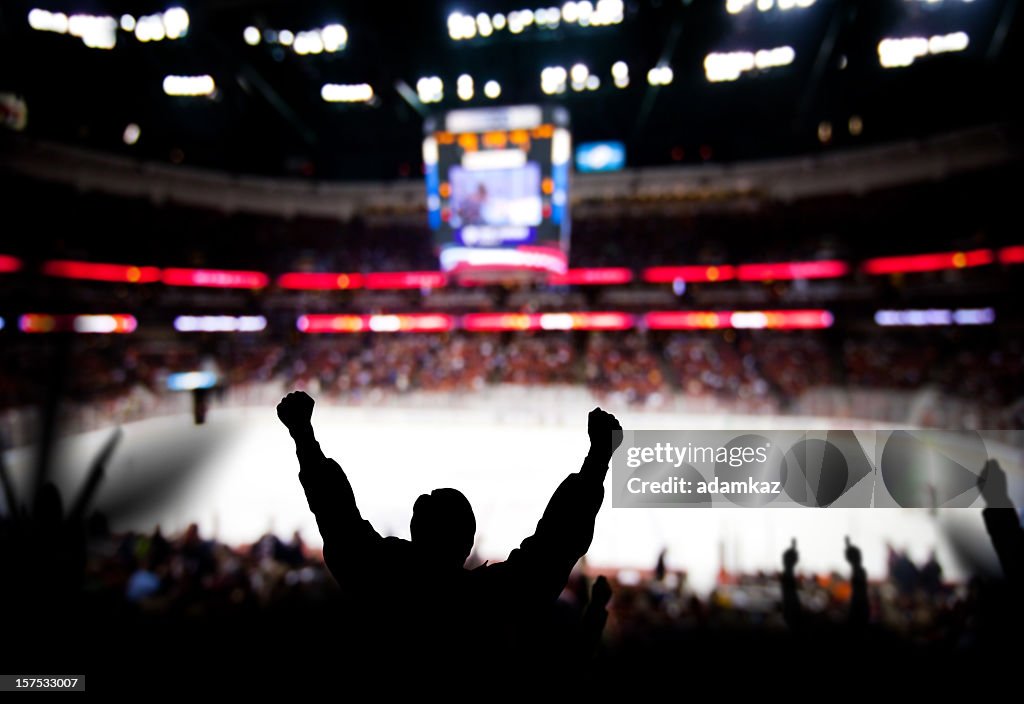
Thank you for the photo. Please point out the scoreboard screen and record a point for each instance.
(498, 189)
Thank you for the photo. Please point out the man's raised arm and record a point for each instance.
(1002, 522)
(346, 535)
(566, 529)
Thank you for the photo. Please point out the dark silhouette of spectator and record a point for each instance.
(596, 616)
(790, 600)
(903, 571)
(931, 575)
(415, 594)
(859, 607)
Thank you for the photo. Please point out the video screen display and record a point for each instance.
(495, 197)
(498, 189)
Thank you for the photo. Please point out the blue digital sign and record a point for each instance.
(600, 156)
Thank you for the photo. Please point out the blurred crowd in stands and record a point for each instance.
(764, 371)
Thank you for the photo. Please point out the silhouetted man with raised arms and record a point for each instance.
(413, 600)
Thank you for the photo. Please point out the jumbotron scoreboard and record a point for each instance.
(498, 190)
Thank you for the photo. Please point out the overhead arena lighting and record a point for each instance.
(902, 52)
(220, 323)
(553, 79)
(729, 66)
(463, 26)
(430, 89)
(492, 89)
(189, 85)
(131, 134)
(620, 74)
(735, 7)
(347, 93)
(659, 76)
(935, 317)
(170, 24)
(464, 87)
(578, 74)
(330, 38)
(95, 31)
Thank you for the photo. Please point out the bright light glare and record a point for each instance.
(131, 135)
(729, 66)
(334, 37)
(659, 76)
(901, 52)
(464, 87)
(430, 89)
(308, 43)
(735, 7)
(150, 28)
(95, 31)
(176, 22)
(189, 85)
(492, 89)
(347, 93)
(552, 80)
(252, 36)
(43, 21)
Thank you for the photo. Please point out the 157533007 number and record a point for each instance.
(68, 683)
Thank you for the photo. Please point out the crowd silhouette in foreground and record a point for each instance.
(77, 596)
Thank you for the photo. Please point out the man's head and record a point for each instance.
(444, 526)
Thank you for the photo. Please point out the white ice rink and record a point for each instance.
(243, 481)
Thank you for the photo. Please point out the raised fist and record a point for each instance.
(601, 427)
(852, 554)
(296, 411)
(992, 484)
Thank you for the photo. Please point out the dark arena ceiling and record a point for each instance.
(266, 114)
